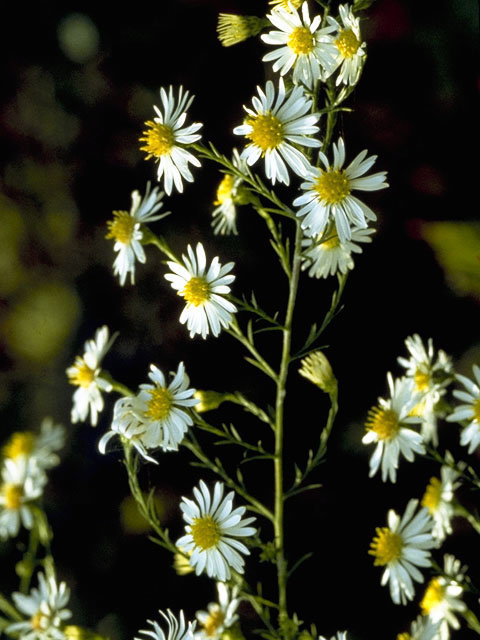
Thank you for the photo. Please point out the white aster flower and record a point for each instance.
(328, 193)
(431, 376)
(469, 411)
(220, 615)
(203, 290)
(229, 194)
(22, 483)
(301, 44)
(166, 138)
(45, 608)
(86, 375)
(349, 45)
(442, 597)
(212, 529)
(273, 124)
(156, 416)
(177, 629)
(127, 424)
(341, 635)
(38, 448)
(125, 230)
(401, 548)
(287, 5)
(325, 255)
(421, 629)
(438, 498)
(387, 426)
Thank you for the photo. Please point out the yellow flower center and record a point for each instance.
(476, 410)
(332, 186)
(267, 131)
(404, 636)
(331, 243)
(160, 403)
(284, 3)
(386, 546)
(196, 291)
(159, 140)
(224, 190)
(214, 621)
(205, 532)
(37, 621)
(20, 444)
(121, 227)
(418, 409)
(433, 596)
(13, 494)
(80, 374)
(347, 43)
(383, 421)
(432, 495)
(301, 41)
(422, 380)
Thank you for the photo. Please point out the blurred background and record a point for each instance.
(79, 80)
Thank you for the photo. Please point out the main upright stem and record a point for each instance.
(279, 419)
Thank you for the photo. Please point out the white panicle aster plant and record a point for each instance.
(262, 289)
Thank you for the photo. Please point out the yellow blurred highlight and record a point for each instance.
(457, 249)
(11, 237)
(37, 326)
(132, 520)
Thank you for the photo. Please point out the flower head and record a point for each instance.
(272, 125)
(387, 426)
(212, 529)
(301, 45)
(232, 28)
(328, 193)
(401, 548)
(431, 376)
(165, 139)
(287, 5)
(45, 608)
(341, 635)
(219, 615)
(203, 290)
(438, 498)
(326, 255)
(22, 483)
(349, 45)
(230, 193)
(37, 448)
(469, 411)
(442, 597)
(421, 629)
(125, 230)
(177, 629)
(86, 375)
(316, 368)
(156, 416)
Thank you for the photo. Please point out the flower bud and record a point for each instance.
(316, 368)
(233, 29)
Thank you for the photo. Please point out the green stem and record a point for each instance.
(9, 609)
(463, 513)
(150, 238)
(279, 424)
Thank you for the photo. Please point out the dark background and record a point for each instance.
(69, 151)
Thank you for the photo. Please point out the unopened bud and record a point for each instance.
(181, 563)
(77, 633)
(209, 400)
(233, 29)
(316, 368)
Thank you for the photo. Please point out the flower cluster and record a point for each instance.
(25, 458)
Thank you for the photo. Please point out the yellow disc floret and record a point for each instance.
(347, 43)
(422, 380)
(20, 444)
(331, 243)
(12, 495)
(39, 621)
(433, 596)
(214, 621)
(159, 140)
(476, 410)
(224, 191)
(160, 403)
(301, 41)
(383, 421)
(121, 227)
(332, 186)
(386, 546)
(80, 374)
(267, 131)
(432, 496)
(205, 532)
(196, 291)
(404, 636)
